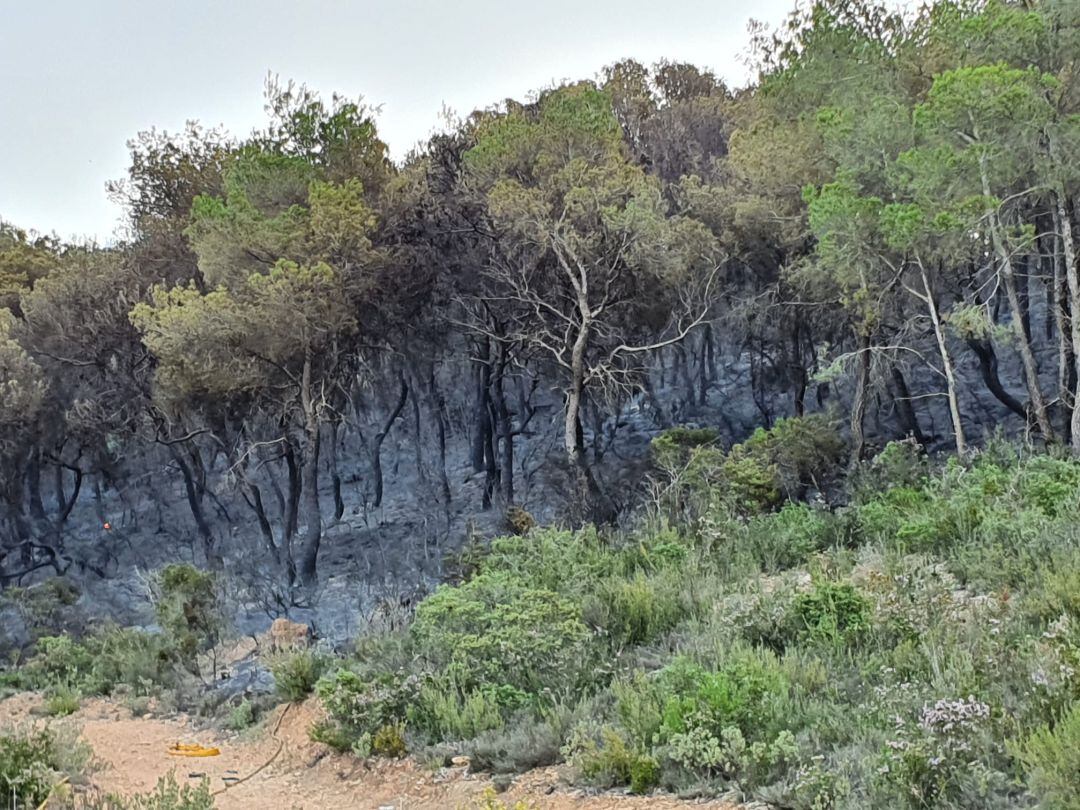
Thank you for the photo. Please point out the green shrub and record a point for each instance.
(901, 464)
(637, 610)
(690, 461)
(804, 450)
(27, 774)
(61, 701)
(1051, 759)
(605, 758)
(748, 692)
(389, 741)
(33, 762)
(727, 755)
(788, 537)
(100, 662)
(673, 449)
(524, 742)
(296, 672)
(166, 795)
(333, 735)
(361, 707)
(59, 660)
(786, 460)
(446, 711)
(832, 611)
(751, 482)
(499, 629)
(241, 716)
(127, 656)
(188, 608)
(1048, 484)
(554, 559)
(1055, 589)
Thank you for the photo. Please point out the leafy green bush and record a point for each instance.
(241, 716)
(832, 611)
(361, 707)
(637, 610)
(901, 464)
(100, 662)
(555, 559)
(805, 452)
(389, 741)
(188, 608)
(447, 711)
(27, 775)
(727, 755)
(33, 762)
(784, 461)
(127, 656)
(499, 629)
(604, 757)
(748, 692)
(166, 795)
(61, 701)
(296, 672)
(673, 449)
(788, 537)
(1051, 759)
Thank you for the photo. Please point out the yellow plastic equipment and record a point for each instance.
(192, 750)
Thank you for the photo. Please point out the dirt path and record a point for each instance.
(296, 773)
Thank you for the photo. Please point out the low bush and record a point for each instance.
(33, 762)
(188, 608)
(498, 629)
(833, 611)
(444, 710)
(358, 708)
(524, 742)
(639, 609)
(61, 701)
(389, 741)
(787, 538)
(785, 461)
(604, 757)
(100, 662)
(168, 794)
(296, 672)
(1051, 759)
(241, 716)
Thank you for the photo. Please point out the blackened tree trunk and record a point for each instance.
(858, 399)
(312, 536)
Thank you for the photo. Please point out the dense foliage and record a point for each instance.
(916, 647)
(879, 610)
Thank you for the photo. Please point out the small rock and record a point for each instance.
(460, 762)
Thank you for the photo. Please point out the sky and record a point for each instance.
(79, 78)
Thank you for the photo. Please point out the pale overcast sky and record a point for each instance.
(78, 78)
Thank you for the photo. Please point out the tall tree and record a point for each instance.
(592, 271)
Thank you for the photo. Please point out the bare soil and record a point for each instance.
(278, 766)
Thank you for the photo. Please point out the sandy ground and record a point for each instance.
(280, 767)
